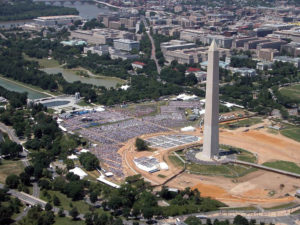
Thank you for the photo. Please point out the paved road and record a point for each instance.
(153, 56)
(10, 132)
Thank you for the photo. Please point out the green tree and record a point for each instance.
(89, 161)
(140, 144)
(74, 213)
(56, 200)
(12, 181)
(240, 220)
(61, 212)
(48, 207)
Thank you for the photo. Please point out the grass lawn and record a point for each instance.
(220, 170)
(8, 167)
(293, 133)
(177, 162)
(246, 156)
(161, 176)
(83, 103)
(284, 165)
(293, 92)
(44, 62)
(243, 155)
(67, 221)
(282, 206)
(243, 123)
(296, 212)
(65, 202)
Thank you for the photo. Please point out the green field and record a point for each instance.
(243, 154)
(232, 171)
(8, 167)
(67, 221)
(293, 92)
(293, 133)
(65, 202)
(282, 206)
(44, 62)
(242, 123)
(177, 162)
(284, 165)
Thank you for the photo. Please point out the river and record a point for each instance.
(71, 76)
(86, 10)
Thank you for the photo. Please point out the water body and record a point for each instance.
(86, 10)
(71, 77)
(13, 23)
(11, 86)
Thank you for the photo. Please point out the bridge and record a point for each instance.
(73, 1)
(61, 1)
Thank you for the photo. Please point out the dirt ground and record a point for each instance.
(267, 146)
(260, 187)
(256, 188)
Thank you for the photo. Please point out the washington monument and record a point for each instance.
(211, 117)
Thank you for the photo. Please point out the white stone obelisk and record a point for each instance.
(211, 117)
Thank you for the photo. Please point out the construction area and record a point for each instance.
(113, 133)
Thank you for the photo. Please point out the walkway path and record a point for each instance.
(296, 175)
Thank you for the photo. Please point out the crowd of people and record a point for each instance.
(108, 154)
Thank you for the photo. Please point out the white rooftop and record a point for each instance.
(79, 172)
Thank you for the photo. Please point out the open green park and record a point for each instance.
(292, 132)
(284, 165)
(225, 170)
(292, 92)
(8, 167)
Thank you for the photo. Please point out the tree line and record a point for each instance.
(27, 9)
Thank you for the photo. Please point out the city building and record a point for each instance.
(56, 20)
(222, 41)
(137, 65)
(244, 71)
(193, 55)
(192, 35)
(263, 65)
(286, 59)
(101, 36)
(126, 45)
(73, 43)
(99, 49)
(176, 45)
(117, 54)
(292, 49)
(267, 54)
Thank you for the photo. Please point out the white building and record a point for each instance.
(245, 72)
(79, 172)
(126, 45)
(137, 65)
(56, 20)
(99, 49)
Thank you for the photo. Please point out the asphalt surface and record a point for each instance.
(153, 56)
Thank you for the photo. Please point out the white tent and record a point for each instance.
(72, 156)
(163, 166)
(78, 171)
(189, 128)
(186, 97)
(125, 87)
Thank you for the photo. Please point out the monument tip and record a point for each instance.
(213, 46)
